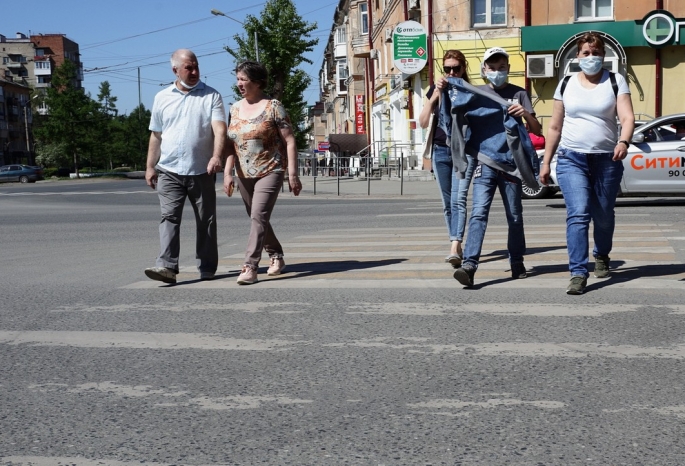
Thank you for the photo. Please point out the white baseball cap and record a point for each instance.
(494, 51)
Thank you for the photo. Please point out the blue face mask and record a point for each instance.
(497, 78)
(591, 65)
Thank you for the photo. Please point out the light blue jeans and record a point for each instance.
(590, 184)
(454, 192)
(485, 181)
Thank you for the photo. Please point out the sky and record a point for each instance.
(117, 38)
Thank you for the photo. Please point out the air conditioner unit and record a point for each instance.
(373, 54)
(388, 34)
(414, 4)
(540, 66)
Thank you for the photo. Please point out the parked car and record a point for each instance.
(655, 164)
(542, 191)
(20, 173)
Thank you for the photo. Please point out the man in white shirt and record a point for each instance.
(188, 127)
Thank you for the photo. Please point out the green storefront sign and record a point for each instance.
(410, 47)
(657, 29)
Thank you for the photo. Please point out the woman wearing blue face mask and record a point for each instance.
(590, 156)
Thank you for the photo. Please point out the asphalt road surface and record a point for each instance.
(364, 352)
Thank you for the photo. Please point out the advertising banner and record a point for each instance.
(410, 47)
(359, 121)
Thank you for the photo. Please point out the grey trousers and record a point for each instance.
(173, 190)
(259, 196)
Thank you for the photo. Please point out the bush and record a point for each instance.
(50, 172)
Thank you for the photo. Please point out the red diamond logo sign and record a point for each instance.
(420, 52)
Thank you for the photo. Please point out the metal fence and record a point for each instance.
(379, 160)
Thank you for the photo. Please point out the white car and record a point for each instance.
(542, 191)
(655, 164)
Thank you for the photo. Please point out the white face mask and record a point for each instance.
(186, 85)
(497, 78)
(591, 65)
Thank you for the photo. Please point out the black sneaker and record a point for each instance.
(577, 285)
(464, 275)
(602, 266)
(518, 270)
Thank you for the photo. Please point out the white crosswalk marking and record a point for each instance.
(414, 258)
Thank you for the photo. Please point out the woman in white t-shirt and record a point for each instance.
(590, 155)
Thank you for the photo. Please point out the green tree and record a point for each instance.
(284, 38)
(133, 136)
(71, 115)
(105, 128)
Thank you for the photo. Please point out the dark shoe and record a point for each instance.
(206, 276)
(454, 260)
(161, 274)
(518, 270)
(464, 275)
(577, 285)
(602, 266)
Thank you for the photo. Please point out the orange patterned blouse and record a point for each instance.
(258, 142)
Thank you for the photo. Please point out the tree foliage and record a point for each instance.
(283, 38)
(72, 114)
(79, 129)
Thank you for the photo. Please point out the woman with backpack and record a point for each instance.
(584, 133)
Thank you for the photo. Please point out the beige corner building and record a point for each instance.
(363, 92)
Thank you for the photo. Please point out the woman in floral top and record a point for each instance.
(261, 146)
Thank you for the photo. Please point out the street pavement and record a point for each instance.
(364, 352)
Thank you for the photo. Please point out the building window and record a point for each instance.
(594, 9)
(364, 18)
(40, 52)
(43, 79)
(489, 12)
(340, 35)
(5, 60)
(42, 65)
(341, 76)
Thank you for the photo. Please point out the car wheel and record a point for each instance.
(541, 193)
(24, 179)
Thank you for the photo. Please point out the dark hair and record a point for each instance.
(458, 55)
(255, 72)
(592, 38)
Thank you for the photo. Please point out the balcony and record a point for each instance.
(360, 44)
(14, 65)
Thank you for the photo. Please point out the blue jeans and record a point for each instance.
(454, 191)
(590, 184)
(485, 181)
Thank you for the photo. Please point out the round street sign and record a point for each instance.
(410, 47)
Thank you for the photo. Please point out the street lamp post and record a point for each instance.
(216, 12)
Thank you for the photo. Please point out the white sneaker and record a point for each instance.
(276, 267)
(247, 276)
(161, 274)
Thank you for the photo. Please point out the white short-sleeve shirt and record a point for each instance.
(590, 124)
(185, 121)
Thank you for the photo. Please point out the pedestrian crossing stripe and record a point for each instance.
(398, 258)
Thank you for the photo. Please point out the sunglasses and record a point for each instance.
(449, 69)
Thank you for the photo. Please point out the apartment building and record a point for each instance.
(16, 120)
(26, 68)
(644, 41)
